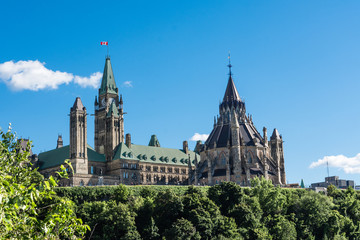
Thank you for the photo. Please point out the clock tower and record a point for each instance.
(109, 121)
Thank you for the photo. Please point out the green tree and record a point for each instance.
(182, 229)
(29, 208)
(168, 208)
(225, 195)
(109, 220)
(313, 212)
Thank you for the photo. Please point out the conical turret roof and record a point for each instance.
(154, 142)
(231, 92)
(275, 134)
(108, 81)
(78, 104)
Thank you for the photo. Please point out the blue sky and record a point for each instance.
(296, 64)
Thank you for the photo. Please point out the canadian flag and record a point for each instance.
(103, 43)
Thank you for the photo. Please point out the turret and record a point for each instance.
(78, 137)
(60, 143)
(121, 102)
(235, 149)
(196, 174)
(265, 136)
(154, 142)
(277, 153)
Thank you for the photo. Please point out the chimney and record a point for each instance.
(185, 147)
(59, 142)
(128, 140)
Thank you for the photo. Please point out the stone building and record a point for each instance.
(114, 160)
(235, 150)
(334, 180)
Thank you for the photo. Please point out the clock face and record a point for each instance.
(110, 101)
(103, 102)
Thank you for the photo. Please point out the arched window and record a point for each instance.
(92, 170)
(249, 158)
(223, 161)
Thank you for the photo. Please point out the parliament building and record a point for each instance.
(234, 151)
(114, 158)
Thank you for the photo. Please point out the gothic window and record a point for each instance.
(249, 158)
(125, 165)
(92, 170)
(81, 183)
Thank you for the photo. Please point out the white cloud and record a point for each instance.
(198, 136)
(347, 164)
(92, 81)
(33, 75)
(128, 84)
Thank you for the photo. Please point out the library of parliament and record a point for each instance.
(234, 151)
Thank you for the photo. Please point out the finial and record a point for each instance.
(229, 65)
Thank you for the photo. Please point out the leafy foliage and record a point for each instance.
(29, 208)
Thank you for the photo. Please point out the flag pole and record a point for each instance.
(107, 46)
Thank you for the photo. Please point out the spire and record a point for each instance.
(108, 81)
(154, 142)
(121, 101)
(275, 135)
(302, 185)
(231, 92)
(78, 105)
(113, 110)
(229, 65)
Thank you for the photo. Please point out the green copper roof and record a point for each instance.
(113, 110)
(57, 157)
(108, 81)
(154, 142)
(154, 154)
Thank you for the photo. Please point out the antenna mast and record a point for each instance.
(327, 164)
